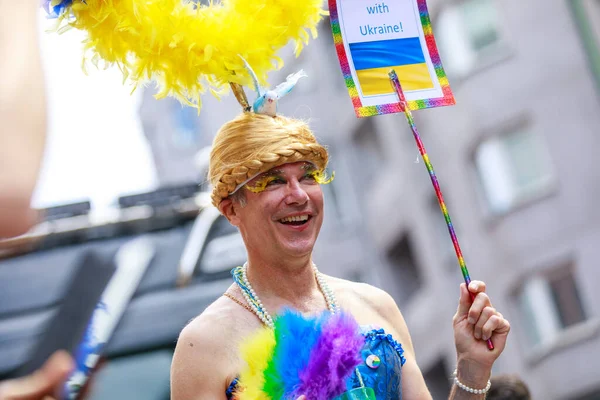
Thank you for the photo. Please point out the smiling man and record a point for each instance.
(267, 174)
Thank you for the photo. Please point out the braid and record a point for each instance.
(252, 144)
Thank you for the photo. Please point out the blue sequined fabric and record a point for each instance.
(385, 378)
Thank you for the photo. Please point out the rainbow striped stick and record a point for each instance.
(434, 181)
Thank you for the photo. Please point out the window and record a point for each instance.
(549, 304)
(223, 253)
(215, 247)
(467, 35)
(404, 272)
(513, 168)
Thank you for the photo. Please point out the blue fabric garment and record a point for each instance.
(386, 379)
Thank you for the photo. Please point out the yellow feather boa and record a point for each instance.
(258, 351)
(187, 48)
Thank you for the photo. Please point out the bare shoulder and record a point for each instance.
(376, 298)
(372, 304)
(206, 358)
(215, 321)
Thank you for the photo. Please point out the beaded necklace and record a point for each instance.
(241, 279)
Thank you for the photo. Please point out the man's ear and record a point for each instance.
(229, 209)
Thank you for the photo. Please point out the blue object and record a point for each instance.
(57, 10)
(266, 101)
(387, 53)
(385, 380)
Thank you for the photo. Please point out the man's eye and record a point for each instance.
(309, 177)
(275, 181)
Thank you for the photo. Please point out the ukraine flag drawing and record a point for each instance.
(373, 60)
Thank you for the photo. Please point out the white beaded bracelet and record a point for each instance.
(468, 389)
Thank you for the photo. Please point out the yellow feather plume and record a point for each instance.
(257, 351)
(187, 48)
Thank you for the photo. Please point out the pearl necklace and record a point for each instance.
(256, 304)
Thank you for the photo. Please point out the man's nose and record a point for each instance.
(295, 193)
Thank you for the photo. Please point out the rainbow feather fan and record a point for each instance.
(186, 47)
(301, 356)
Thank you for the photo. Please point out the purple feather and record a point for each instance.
(334, 357)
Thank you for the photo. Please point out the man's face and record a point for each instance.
(285, 218)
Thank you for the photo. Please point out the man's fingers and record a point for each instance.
(464, 303)
(477, 287)
(496, 324)
(486, 314)
(481, 301)
(490, 326)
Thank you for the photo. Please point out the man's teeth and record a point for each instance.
(300, 218)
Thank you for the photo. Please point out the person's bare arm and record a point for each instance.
(413, 383)
(199, 365)
(474, 360)
(22, 114)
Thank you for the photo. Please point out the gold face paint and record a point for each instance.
(320, 176)
(261, 184)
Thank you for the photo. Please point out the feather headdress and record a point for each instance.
(187, 47)
(304, 356)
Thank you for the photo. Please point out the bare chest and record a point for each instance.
(366, 316)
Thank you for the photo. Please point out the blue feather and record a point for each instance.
(258, 104)
(295, 336)
(334, 357)
(257, 88)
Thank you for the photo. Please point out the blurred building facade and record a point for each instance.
(515, 159)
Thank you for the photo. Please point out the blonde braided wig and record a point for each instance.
(251, 144)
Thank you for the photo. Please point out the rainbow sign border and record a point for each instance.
(369, 111)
